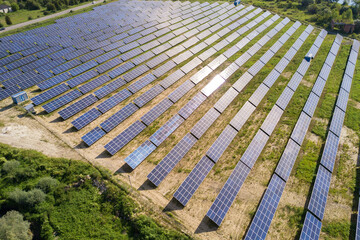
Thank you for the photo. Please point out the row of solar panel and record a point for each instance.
(140, 101)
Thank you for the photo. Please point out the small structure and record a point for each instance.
(237, 2)
(5, 8)
(30, 108)
(346, 27)
(19, 97)
(309, 57)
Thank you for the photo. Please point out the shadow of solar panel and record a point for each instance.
(118, 117)
(158, 174)
(168, 128)
(265, 213)
(114, 100)
(94, 83)
(342, 99)
(311, 104)
(329, 153)
(254, 149)
(139, 155)
(337, 121)
(86, 118)
(320, 192)
(156, 111)
(105, 57)
(45, 96)
(94, 135)
(193, 180)
(301, 128)
(287, 159)
(227, 194)
(221, 143)
(148, 95)
(125, 137)
(102, 92)
(77, 107)
(61, 101)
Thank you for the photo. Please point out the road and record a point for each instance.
(9, 28)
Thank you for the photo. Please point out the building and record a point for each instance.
(5, 8)
(346, 27)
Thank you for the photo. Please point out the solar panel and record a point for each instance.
(200, 75)
(254, 149)
(181, 91)
(193, 180)
(204, 123)
(242, 116)
(156, 111)
(221, 143)
(130, 54)
(213, 85)
(225, 100)
(77, 106)
(158, 174)
(157, 60)
(114, 100)
(272, 120)
(191, 65)
(82, 78)
(110, 87)
(242, 59)
(125, 137)
(357, 236)
(208, 53)
(311, 104)
(8, 92)
(118, 117)
(108, 65)
(161, 48)
(287, 160)
(337, 121)
(342, 99)
(168, 128)
(148, 95)
(199, 47)
(61, 101)
(121, 69)
(295, 81)
(265, 213)
(139, 155)
(346, 83)
(285, 98)
(86, 118)
(45, 96)
(158, 72)
(105, 57)
(329, 153)
(171, 79)
(94, 83)
(227, 194)
(320, 192)
(94, 135)
(301, 128)
(318, 86)
(183, 57)
(142, 58)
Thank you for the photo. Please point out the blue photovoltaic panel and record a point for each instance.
(102, 92)
(285, 98)
(82, 78)
(311, 104)
(51, 93)
(272, 120)
(271, 78)
(77, 107)
(301, 128)
(329, 153)
(171, 79)
(342, 99)
(94, 135)
(221, 143)
(295, 81)
(337, 121)
(254, 149)
(125, 137)
(259, 94)
(108, 65)
(320, 192)
(139, 155)
(87, 87)
(242, 116)
(114, 100)
(204, 123)
(318, 86)
(287, 160)
(311, 228)
(156, 111)
(66, 66)
(141, 83)
(118, 117)
(193, 180)
(228, 193)
(8, 92)
(61, 101)
(266, 210)
(192, 105)
(148, 95)
(135, 73)
(121, 69)
(54, 81)
(158, 174)
(168, 128)
(357, 236)
(158, 72)
(86, 118)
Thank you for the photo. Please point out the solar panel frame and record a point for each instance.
(259, 94)
(272, 120)
(51, 93)
(181, 91)
(94, 135)
(61, 101)
(287, 159)
(110, 87)
(114, 100)
(148, 95)
(221, 143)
(330, 150)
(311, 103)
(342, 99)
(139, 155)
(86, 118)
(118, 117)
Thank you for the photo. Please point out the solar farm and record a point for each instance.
(205, 108)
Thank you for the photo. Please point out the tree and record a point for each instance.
(11, 168)
(50, 7)
(47, 184)
(14, 7)
(347, 16)
(31, 5)
(306, 3)
(27, 199)
(8, 20)
(13, 226)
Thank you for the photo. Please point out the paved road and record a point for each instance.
(48, 17)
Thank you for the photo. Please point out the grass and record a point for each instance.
(339, 229)
(306, 169)
(320, 129)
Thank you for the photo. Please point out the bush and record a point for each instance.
(27, 199)
(31, 5)
(312, 8)
(306, 3)
(13, 226)
(8, 20)
(14, 7)
(47, 184)
(50, 7)
(11, 168)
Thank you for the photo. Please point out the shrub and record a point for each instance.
(50, 7)
(8, 20)
(11, 168)
(13, 226)
(31, 5)
(27, 199)
(306, 3)
(29, 18)
(312, 8)
(47, 184)
(14, 7)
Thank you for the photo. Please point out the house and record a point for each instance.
(5, 8)
(346, 27)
